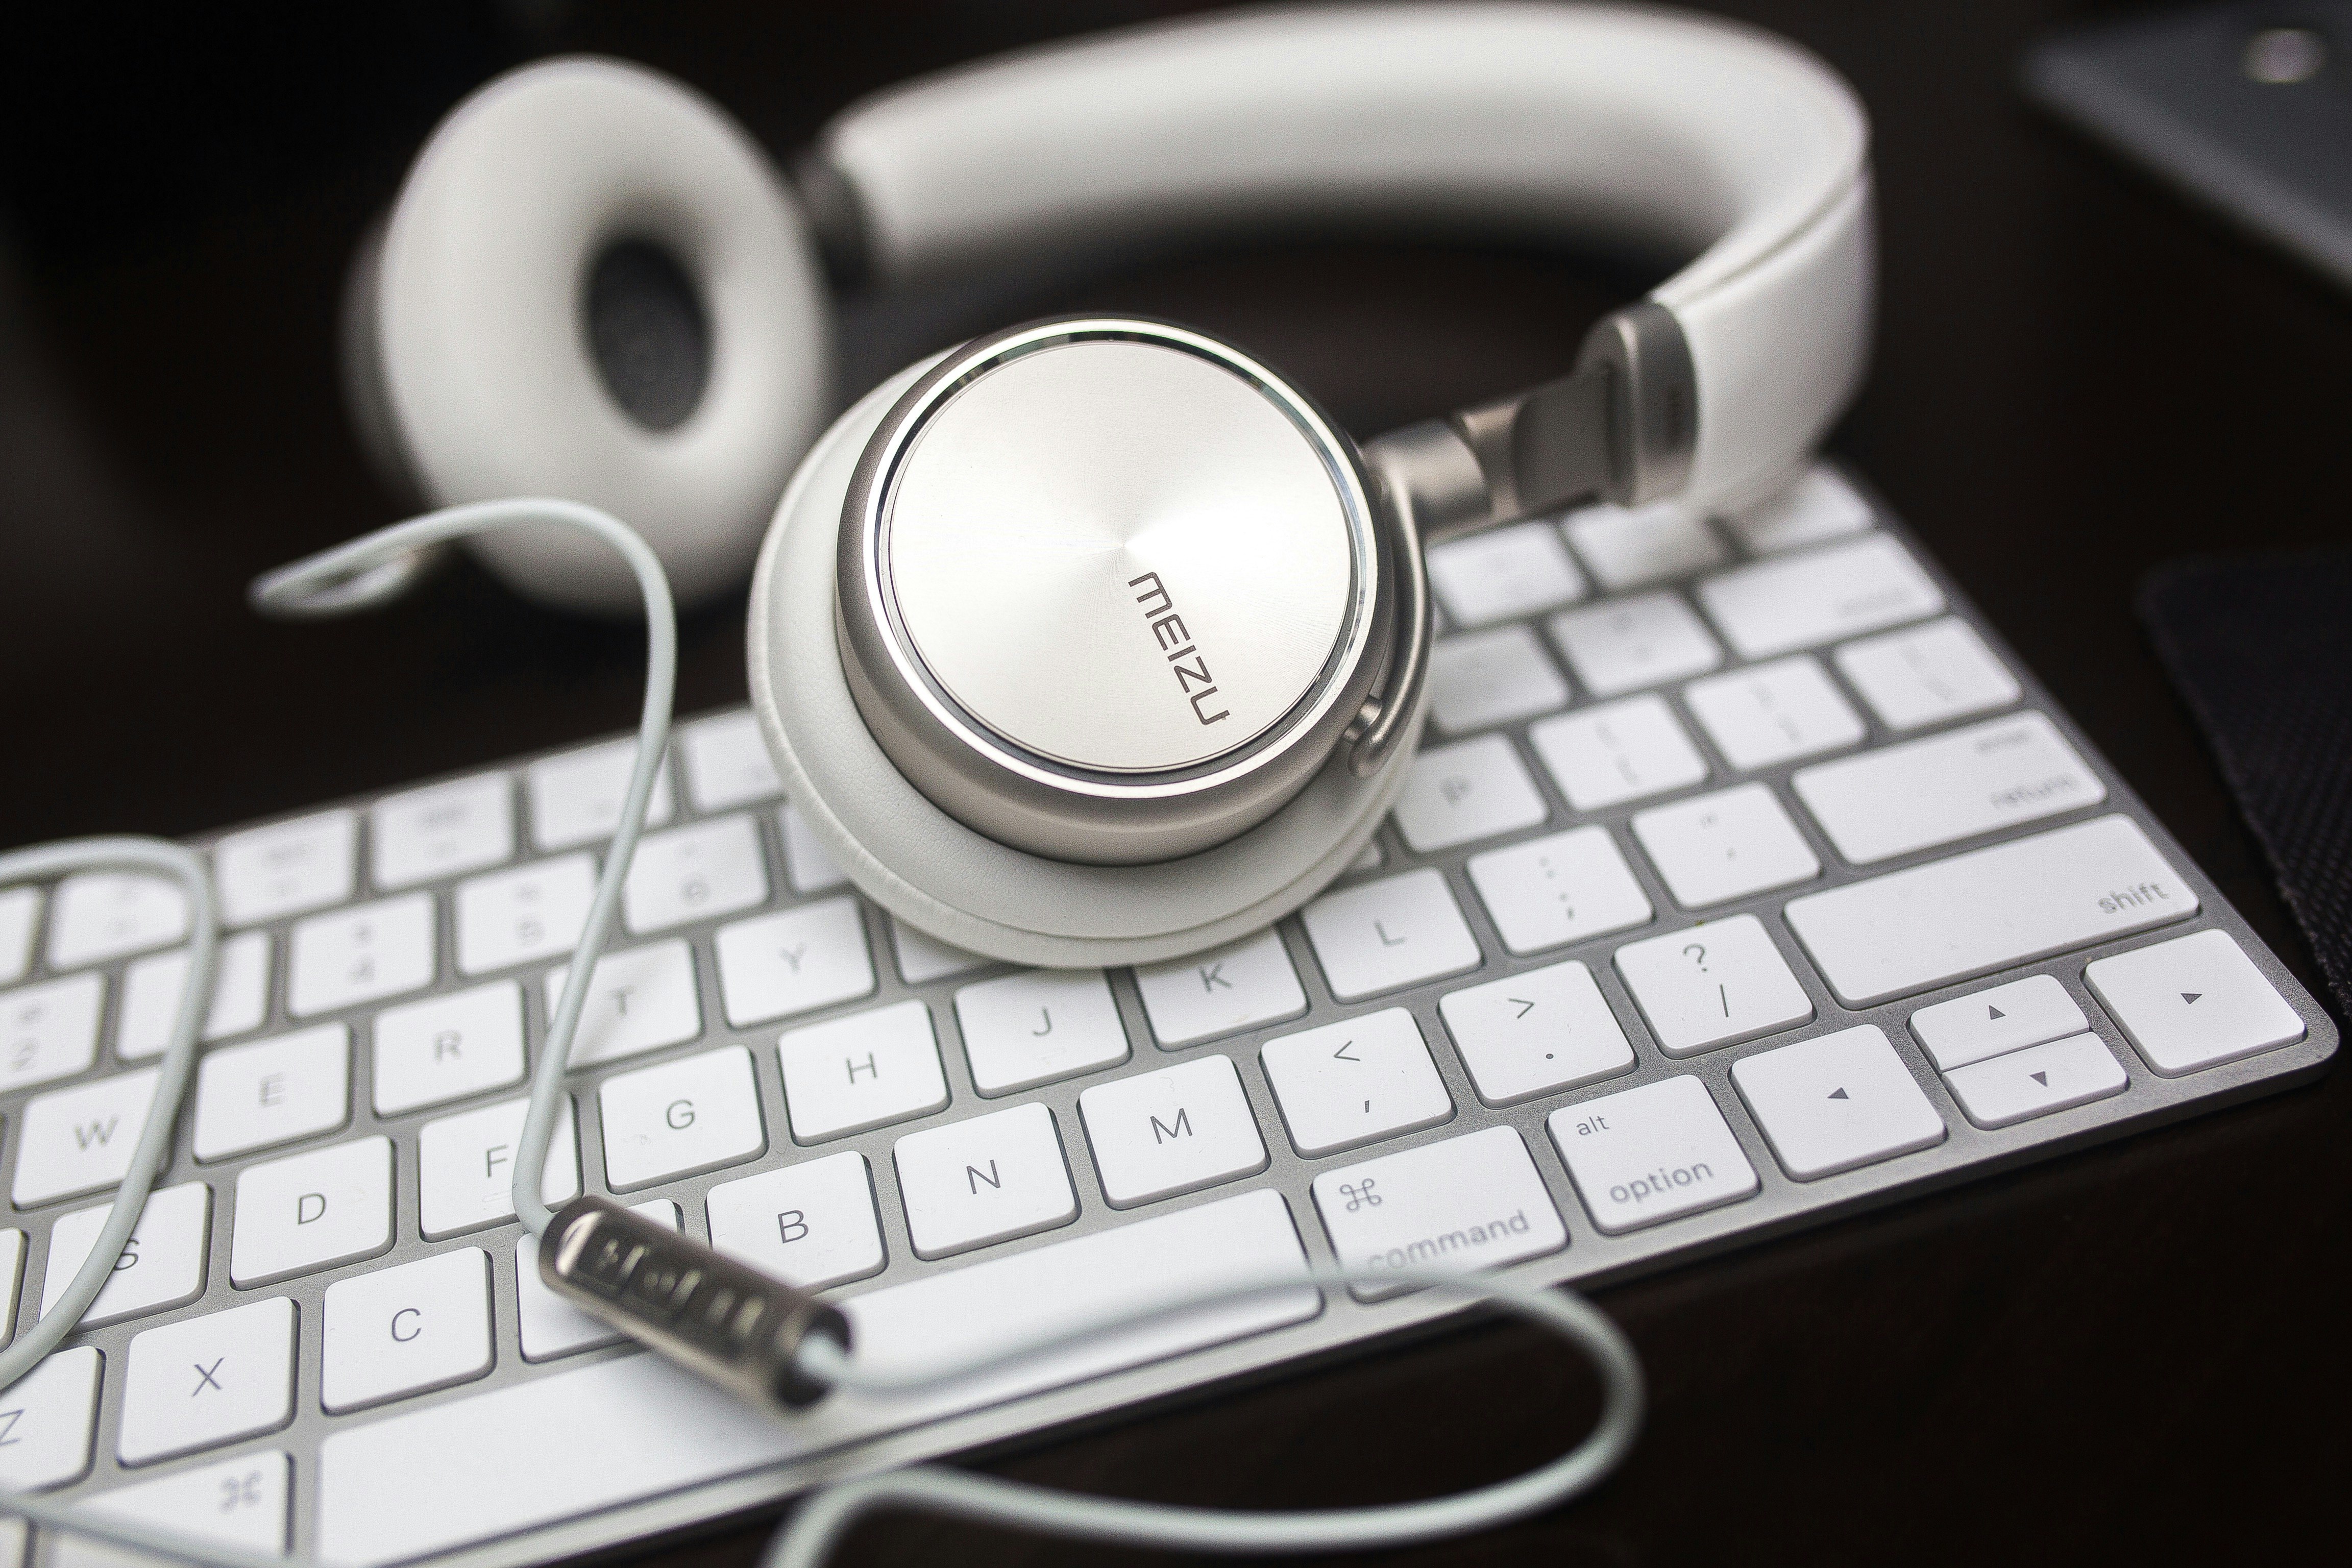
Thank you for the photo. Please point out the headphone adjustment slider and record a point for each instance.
(731, 1324)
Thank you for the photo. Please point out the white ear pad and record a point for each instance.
(477, 319)
(944, 878)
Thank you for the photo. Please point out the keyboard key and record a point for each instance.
(288, 868)
(1175, 1130)
(693, 873)
(1623, 645)
(2194, 1002)
(793, 961)
(576, 798)
(1464, 791)
(808, 864)
(362, 955)
(1385, 935)
(99, 915)
(1792, 601)
(693, 1114)
(401, 1331)
(1354, 1082)
(1480, 679)
(1558, 888)
(810, 1225)
(49, 1415)
(1235, 987)
(12, 1271)
(1502, 573)
(1819, 505)
(311, 1211)
(1645, 1155)
(1926, 675)
(442, 830)
(1538, 1032)
(726, 763)
(2022, 1012)
(273, 1091)
(551, 1326)
(1964, 783)
(1469, 1203)
(867, 1069)
(638, 1001)
(1712, 985)
(79, 1139)
(242, 1501)
(1836, 1101)
(162, 1265)
(989, 1179)
(1627, 547)
(151, 996)
(553, 1448)
(1618, 752)
(209, 1380)
(2038, 1080)
(448, 1048)
(464, 1167)
(1716, 848)
(1037, 1027)
(49, 1031)
(1987, 908)
(1770, 713)
(922, 958)
(533, 911)
(20, 910)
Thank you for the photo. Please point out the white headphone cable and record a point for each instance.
(374, 568)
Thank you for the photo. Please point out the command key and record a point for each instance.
(1469, 1203)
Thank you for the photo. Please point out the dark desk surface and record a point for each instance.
(2137, 1352)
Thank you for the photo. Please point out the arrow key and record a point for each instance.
(2037, 1080)
(2007, 1017)
(2194, 1002)
(1836, 1101)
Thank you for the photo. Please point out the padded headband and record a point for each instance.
(1581, 122)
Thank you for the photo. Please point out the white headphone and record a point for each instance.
(1093, 642)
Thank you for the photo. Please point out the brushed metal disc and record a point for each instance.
(1120, 555)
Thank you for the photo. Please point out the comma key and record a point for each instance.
(1649, 1155)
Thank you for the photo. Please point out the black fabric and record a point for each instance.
(2262, 649)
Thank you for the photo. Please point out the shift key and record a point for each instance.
(1986, 909)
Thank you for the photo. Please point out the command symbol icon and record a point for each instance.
(1359, 1194)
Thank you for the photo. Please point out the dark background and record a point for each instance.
(2137, 1352)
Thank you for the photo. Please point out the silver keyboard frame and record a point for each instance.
(1591, 1259)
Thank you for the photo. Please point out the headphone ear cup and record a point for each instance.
(360, 360)
(593, 285)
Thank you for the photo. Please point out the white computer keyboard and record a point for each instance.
(1743, 879)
